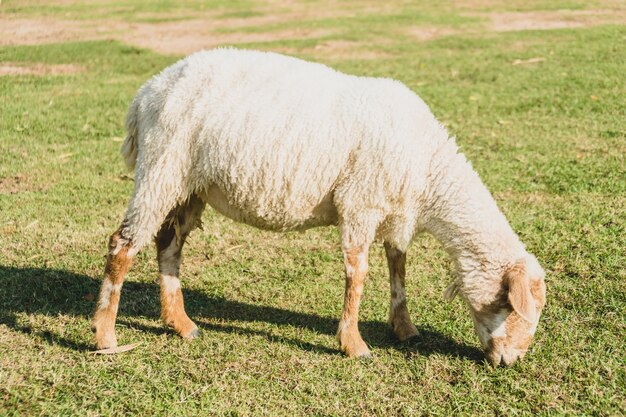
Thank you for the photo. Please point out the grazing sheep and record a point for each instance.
(283, 144)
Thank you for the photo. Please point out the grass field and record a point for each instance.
(537, 106)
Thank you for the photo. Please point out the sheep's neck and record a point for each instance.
(461, 213)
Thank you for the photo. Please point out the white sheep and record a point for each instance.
(284, 144)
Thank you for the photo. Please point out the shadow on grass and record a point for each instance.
(57, 292)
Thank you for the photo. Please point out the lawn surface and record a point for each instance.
(533, 91)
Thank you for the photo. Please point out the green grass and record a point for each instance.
(547, 138)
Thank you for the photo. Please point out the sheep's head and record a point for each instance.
(506, 326)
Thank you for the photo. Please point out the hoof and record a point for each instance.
(366, 356)
(404, 330)
(192, 334)
(352, 344)
(106, 342)
(357, 349)
(412, 339)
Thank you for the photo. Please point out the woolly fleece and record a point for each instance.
(284, 144)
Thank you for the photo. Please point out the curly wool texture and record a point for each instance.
(284, 144)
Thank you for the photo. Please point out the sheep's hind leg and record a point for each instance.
(118, 262)
(399, 318)
(350, 340)
(169, 241)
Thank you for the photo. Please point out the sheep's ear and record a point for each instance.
(520, 296)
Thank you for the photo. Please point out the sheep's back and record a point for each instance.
(276, 135)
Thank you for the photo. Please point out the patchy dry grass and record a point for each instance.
(11, 68)
(539, 112)
(185, 27)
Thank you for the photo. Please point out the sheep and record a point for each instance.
(284, 144)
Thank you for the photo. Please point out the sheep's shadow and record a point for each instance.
(55, 292)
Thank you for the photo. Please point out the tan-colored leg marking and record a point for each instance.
(399, 318)
(170, 241)
(350, 341)
(173, 309)
(118, 262)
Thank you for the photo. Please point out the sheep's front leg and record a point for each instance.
(350, 341)
(399, 319)
(169, 241)
(118, 262)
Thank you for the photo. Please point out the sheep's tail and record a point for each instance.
(129, 147)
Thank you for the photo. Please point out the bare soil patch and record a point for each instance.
(209, 30)
(561, 19)
(517, 21)
(177, 38)
(521, 5)
(289, 10)
(20, 68)
(428, 33)
(15, 184)
(39, 30)
(181, 38)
